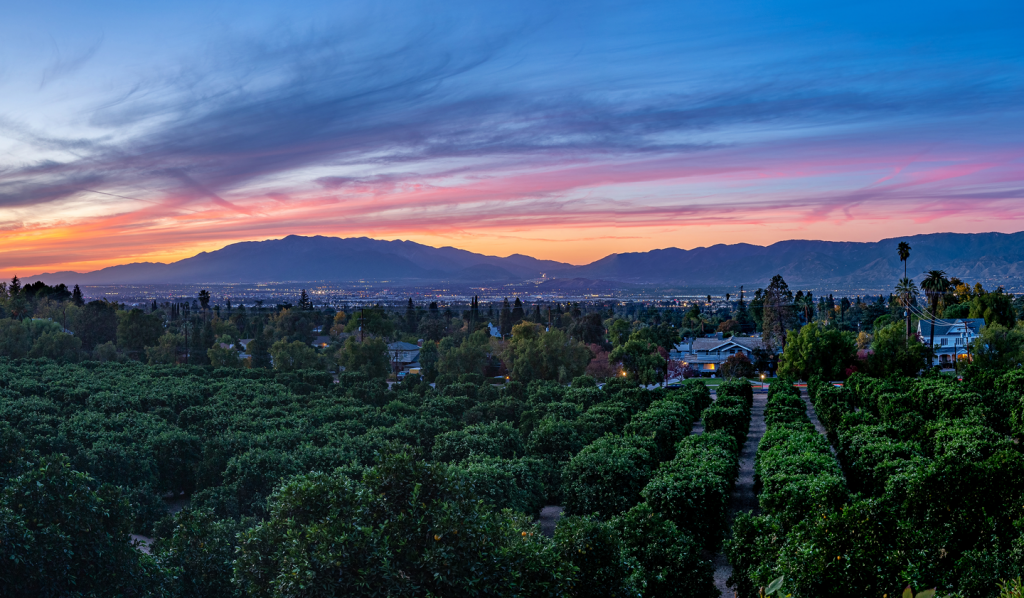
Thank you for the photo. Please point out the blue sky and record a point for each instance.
(146, 131)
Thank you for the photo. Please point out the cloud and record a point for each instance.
(318, 98)
(445, 128)
(63, 66)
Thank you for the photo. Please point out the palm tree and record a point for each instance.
(906, 292)
(935, 285)
(904, 250)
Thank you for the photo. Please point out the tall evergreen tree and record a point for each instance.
(778, 313)
(15, 287)
(76, 297)
(411, 322)
(505, 319)
(517, 312)
(742, 315)
(259, 347)
(305, 303)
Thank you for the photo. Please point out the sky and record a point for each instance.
(144, 131)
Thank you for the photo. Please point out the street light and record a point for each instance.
(762, 380)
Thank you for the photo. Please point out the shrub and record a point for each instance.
(669, 562)
(799, 475)
(785, 407)
(609, 417)
(555, 438)
(666, 422)
(200, 550)
(498, 439)
(693, 489)
(63, 534)
(606, 477)
(406, 529)
(594, 549)
(515, 484)
(737, 388)
(734, 421)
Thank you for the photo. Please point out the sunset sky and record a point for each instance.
(145, 131)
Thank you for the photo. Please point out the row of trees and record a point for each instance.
(300, 485)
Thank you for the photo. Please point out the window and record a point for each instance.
(944, 342)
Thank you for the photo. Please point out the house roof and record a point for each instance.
(401, 346)
(945, 327)
(746, 343)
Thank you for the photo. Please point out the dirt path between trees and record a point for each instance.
(549, 516)
(813, 416)
(743, 498)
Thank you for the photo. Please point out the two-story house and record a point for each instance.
(951, 337)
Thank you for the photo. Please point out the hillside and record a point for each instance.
(981, 257)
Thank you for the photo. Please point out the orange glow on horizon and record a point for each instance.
(569, 213)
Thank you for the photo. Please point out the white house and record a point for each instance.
(951, 337)
(403, 353)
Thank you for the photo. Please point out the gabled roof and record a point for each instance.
(744, 343)
(946, 327)
(401, 346)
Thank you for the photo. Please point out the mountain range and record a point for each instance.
(808, 264)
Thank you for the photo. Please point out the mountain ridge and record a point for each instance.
(804, 263)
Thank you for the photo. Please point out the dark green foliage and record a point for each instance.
(668, 562)
(199, 553)
(498, 439)
(737, 388)
(799, 479)
(406, 529)
(137, 330)
(594, 548)
(693, 393)
(753, 550)
(606, 477)
(515, 484)
(63, 534)
(936, 489)
(785, 407)
(666, 422)
(798, 473)
(733, 420)
(556, 439)
(693, 489)
(817, 351)
(230, 439)
(609, 417)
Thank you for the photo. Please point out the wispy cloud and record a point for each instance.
(446, 129)
(66, 63)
